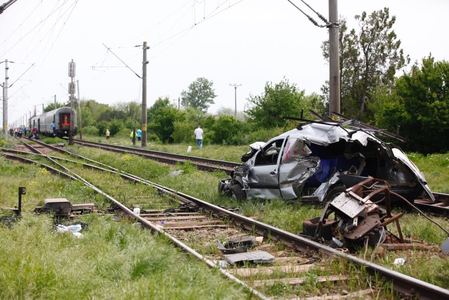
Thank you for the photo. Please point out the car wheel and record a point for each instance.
(334, 191)
(237, 192)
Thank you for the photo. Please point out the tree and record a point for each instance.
(199, 95)
(278, 101)
(162, 116)
(53, 106)
(369, 57)
(419, 107)
(227, 130)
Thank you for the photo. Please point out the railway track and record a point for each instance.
(170, 158)
(440, 207)
(299, 263)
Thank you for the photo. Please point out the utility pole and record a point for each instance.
(235, 85)
(144, 95)
(334, 61)
(80, 124)
(5, 87)
(71, 98)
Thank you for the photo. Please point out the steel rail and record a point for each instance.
(171, 158)
(440, 207)
(402, 283)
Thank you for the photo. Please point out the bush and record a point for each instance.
(227, 131)
(90, 130)
(183, 131)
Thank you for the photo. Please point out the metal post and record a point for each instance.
(144, 95)
(80, 124)
(71, 98)
(235, 85)
(334, 61)
(5, 99)
(22, 191)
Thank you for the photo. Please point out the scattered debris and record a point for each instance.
(176, 173)
(256, 257)
(355, 217)
(237, 244)
(63, 208)
(73, 229)
(400, 261)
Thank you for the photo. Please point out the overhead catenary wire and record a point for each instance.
(218, 10)
(314, 22)
(37, 26)
(4, 6)
(122, 61)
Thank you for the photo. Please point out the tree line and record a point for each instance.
(414, 104)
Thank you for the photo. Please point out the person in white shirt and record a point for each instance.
(199, 137)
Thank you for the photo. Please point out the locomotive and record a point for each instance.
(61, 118)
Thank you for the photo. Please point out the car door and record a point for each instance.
(263, 179)
(296, 166)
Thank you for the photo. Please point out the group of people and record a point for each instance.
(198, 132)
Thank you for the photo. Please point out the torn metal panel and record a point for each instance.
(257, 257)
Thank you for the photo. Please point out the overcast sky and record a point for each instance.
(248, 42)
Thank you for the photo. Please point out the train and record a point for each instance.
(62, 118)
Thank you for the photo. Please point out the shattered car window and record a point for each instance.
(269, 155)
(295, 149)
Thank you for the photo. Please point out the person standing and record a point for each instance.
(199, 137)
(53, 128)
(108, 133)
(139, 134)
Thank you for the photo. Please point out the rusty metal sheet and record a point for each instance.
(365, 226)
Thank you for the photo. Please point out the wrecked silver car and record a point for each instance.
(318, 160)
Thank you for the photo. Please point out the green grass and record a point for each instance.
(435, 168)
(288, 216)
(203, 185)
(111, 261)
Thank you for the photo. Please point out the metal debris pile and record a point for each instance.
(356, 217)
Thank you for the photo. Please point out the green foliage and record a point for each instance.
(90, 130)
(370, 56)
(279, 101)
(53, 106)
(162, 116)
(199, 95)
(418, 107)
(227, 131)
(184, 127)
(115, 126)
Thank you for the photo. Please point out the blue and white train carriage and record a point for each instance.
(60, 117)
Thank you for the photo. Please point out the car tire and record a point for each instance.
(238, 192)
(334, 191)
(310, 228)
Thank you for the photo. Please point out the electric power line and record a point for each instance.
(309, 17)
(122, 61)
(4, 6)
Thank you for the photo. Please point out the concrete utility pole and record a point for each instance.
(80, 124)
(235, 85)
(334, 61)
(5, 87)
(144, 95)
(72, 98)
